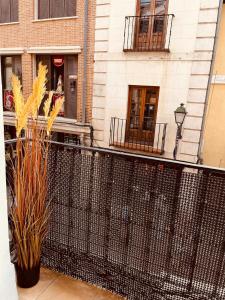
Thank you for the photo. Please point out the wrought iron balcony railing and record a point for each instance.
(149, 139)
(148, 33)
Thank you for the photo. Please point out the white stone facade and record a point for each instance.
(182, 74)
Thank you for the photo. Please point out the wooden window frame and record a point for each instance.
(152, 9)
(142, 108)
(150, 38)
(50, 17)
(144, 89)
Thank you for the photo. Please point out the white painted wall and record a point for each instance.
(7, 274)
(182, 74)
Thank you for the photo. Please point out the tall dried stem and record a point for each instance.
(30, 210)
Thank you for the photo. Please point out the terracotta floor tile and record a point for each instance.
(64, 288)
(46, 278)
(54, 286)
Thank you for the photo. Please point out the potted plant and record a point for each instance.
(29, 211)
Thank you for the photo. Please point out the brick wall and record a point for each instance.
(59, 32)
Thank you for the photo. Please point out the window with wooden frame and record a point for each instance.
(151, 23)
(62, 80)
(50, 9)
(142, 113)
(9, 11)
(10, 65)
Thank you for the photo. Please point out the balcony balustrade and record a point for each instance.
(148, 33)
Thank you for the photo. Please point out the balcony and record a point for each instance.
(148, 33)
(150, 138)
(141, 227)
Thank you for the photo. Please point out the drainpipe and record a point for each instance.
(85, 49)
(201, 140)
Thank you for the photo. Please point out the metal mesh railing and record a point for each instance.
(143, 227)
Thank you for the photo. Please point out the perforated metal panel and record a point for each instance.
(141, 227)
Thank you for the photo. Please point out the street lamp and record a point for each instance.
(180, 114)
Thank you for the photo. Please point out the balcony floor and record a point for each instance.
(55, 286)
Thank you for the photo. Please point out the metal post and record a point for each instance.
(178, 137)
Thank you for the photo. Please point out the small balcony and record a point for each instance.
(148, 33)
(149, 137)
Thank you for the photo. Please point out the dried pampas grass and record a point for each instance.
(30, 212)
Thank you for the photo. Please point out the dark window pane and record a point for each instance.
(70, 8)
(14, 11)
(144, 25)
(5, 11)
(57, 8)
(158, 24)
(43, 9)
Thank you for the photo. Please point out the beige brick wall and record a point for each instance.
(63, 32)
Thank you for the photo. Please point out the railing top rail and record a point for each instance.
(157, 160)
(147, 16)
(116, 118)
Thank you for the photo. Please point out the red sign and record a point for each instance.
(58, 61)
(8, 100)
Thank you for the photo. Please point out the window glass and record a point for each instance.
(56, 8)
(62, 80)
(10, 65)
(8, 11)
(160, 7)
(145, 11)
(145, 7)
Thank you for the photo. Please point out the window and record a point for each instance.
(62, 80)
(151, 25)
(56, 8)
(8, 11)
(10, 65)
(142, 113)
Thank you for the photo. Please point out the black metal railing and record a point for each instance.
(123, 135)
(148, 33)
(144, 227)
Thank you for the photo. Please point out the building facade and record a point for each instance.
(151, 55)
(61, 35)
(213, 147)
